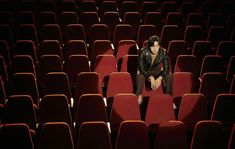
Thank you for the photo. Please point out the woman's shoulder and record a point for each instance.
(163, 50)
(144, 50)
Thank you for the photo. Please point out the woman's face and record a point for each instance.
(154, 49)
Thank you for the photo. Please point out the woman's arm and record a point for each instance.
(165, 62)
(141, 65)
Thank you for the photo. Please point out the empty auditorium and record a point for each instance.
(117, 74)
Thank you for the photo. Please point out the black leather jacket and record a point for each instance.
(145, 62)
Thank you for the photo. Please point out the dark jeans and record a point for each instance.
(167, 81)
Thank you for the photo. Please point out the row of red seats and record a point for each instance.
(121, 6)
(190, 45)
(119, 82)
(105, 64)
(92, 31)
(124, 61)
(69, 16)
(112, 18)
(87, 32)
(223, 48)
(121, 112)
(207, 134)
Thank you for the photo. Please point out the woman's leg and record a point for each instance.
(169, 84)
(140, 80)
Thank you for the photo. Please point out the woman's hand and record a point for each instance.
(158, 82)
(153, 83)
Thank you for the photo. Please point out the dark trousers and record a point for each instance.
(167, 81)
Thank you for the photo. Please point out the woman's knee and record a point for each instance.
(140, 77)
(169, 77)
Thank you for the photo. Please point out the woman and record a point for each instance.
(153, 66)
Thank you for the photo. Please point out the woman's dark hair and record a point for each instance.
(152, 39)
